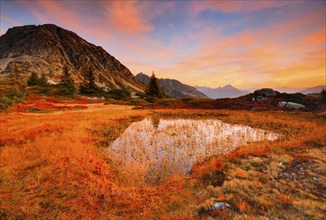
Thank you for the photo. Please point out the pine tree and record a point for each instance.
(66, 84)
(153, 89)
(89, 86)
(91, 79)
(33, 80)
(43, 80)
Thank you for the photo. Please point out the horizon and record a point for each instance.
(247, 45)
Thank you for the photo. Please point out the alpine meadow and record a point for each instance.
(162, 109)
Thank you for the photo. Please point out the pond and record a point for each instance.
(155, 150)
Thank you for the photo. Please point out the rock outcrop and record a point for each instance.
(291, 105)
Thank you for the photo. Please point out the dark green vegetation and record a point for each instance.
(152, 89)
(67, 85)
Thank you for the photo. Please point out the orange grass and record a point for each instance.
(53, 165)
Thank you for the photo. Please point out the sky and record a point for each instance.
(248, 44)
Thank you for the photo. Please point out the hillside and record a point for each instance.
(47, 48)
(173, 87)
(315, 89)
(227, 91)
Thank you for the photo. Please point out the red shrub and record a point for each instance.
(82, 101)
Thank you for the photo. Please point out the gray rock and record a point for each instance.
(291, 105)
(221, 205)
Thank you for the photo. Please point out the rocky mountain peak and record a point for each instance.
(47, 48)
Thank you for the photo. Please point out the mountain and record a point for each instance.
(47, 48)
(288, 89)
(173, 87)
(316, 89)
(227, 91)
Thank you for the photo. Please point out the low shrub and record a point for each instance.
(13, 96)
(118, 94)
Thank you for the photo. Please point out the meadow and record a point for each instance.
(55, 165)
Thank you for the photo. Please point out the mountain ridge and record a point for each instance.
(173, 87)
(227, 91)
(47, 48)
(314, 89)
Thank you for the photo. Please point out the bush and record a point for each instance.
(118, 94)
(5, 102)
(296, 97)
(15, 95)
(86, 90)
(151, 99)
(164, 102)
(140, 95)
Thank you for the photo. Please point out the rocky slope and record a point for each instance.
(227, 91)
(173, 88)
(47, 48)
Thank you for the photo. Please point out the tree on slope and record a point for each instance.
(89, 86)
(67, 85)
(33, 79)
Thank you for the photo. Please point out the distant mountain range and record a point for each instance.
(288, 89)
(47, 48)
(173, 88)
(227, 91)
(315, 89)
(311, 90)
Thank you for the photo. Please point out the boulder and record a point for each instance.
(291, 105)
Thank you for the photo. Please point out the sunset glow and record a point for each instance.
(248, 44)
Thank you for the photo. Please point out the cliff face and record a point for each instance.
(173, 87)
(47, 48)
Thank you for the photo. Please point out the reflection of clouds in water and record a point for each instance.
(172, 146)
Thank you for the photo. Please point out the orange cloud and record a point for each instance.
(235, 6)
(126, 17)
(287, 50)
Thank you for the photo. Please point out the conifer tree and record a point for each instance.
(33, 80)
(91, 79)
(66, 84)
(89, 86)
(153, 89)
(43, 80)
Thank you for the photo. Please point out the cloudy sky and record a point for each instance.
(248, 44)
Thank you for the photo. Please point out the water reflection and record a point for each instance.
(154, 153)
